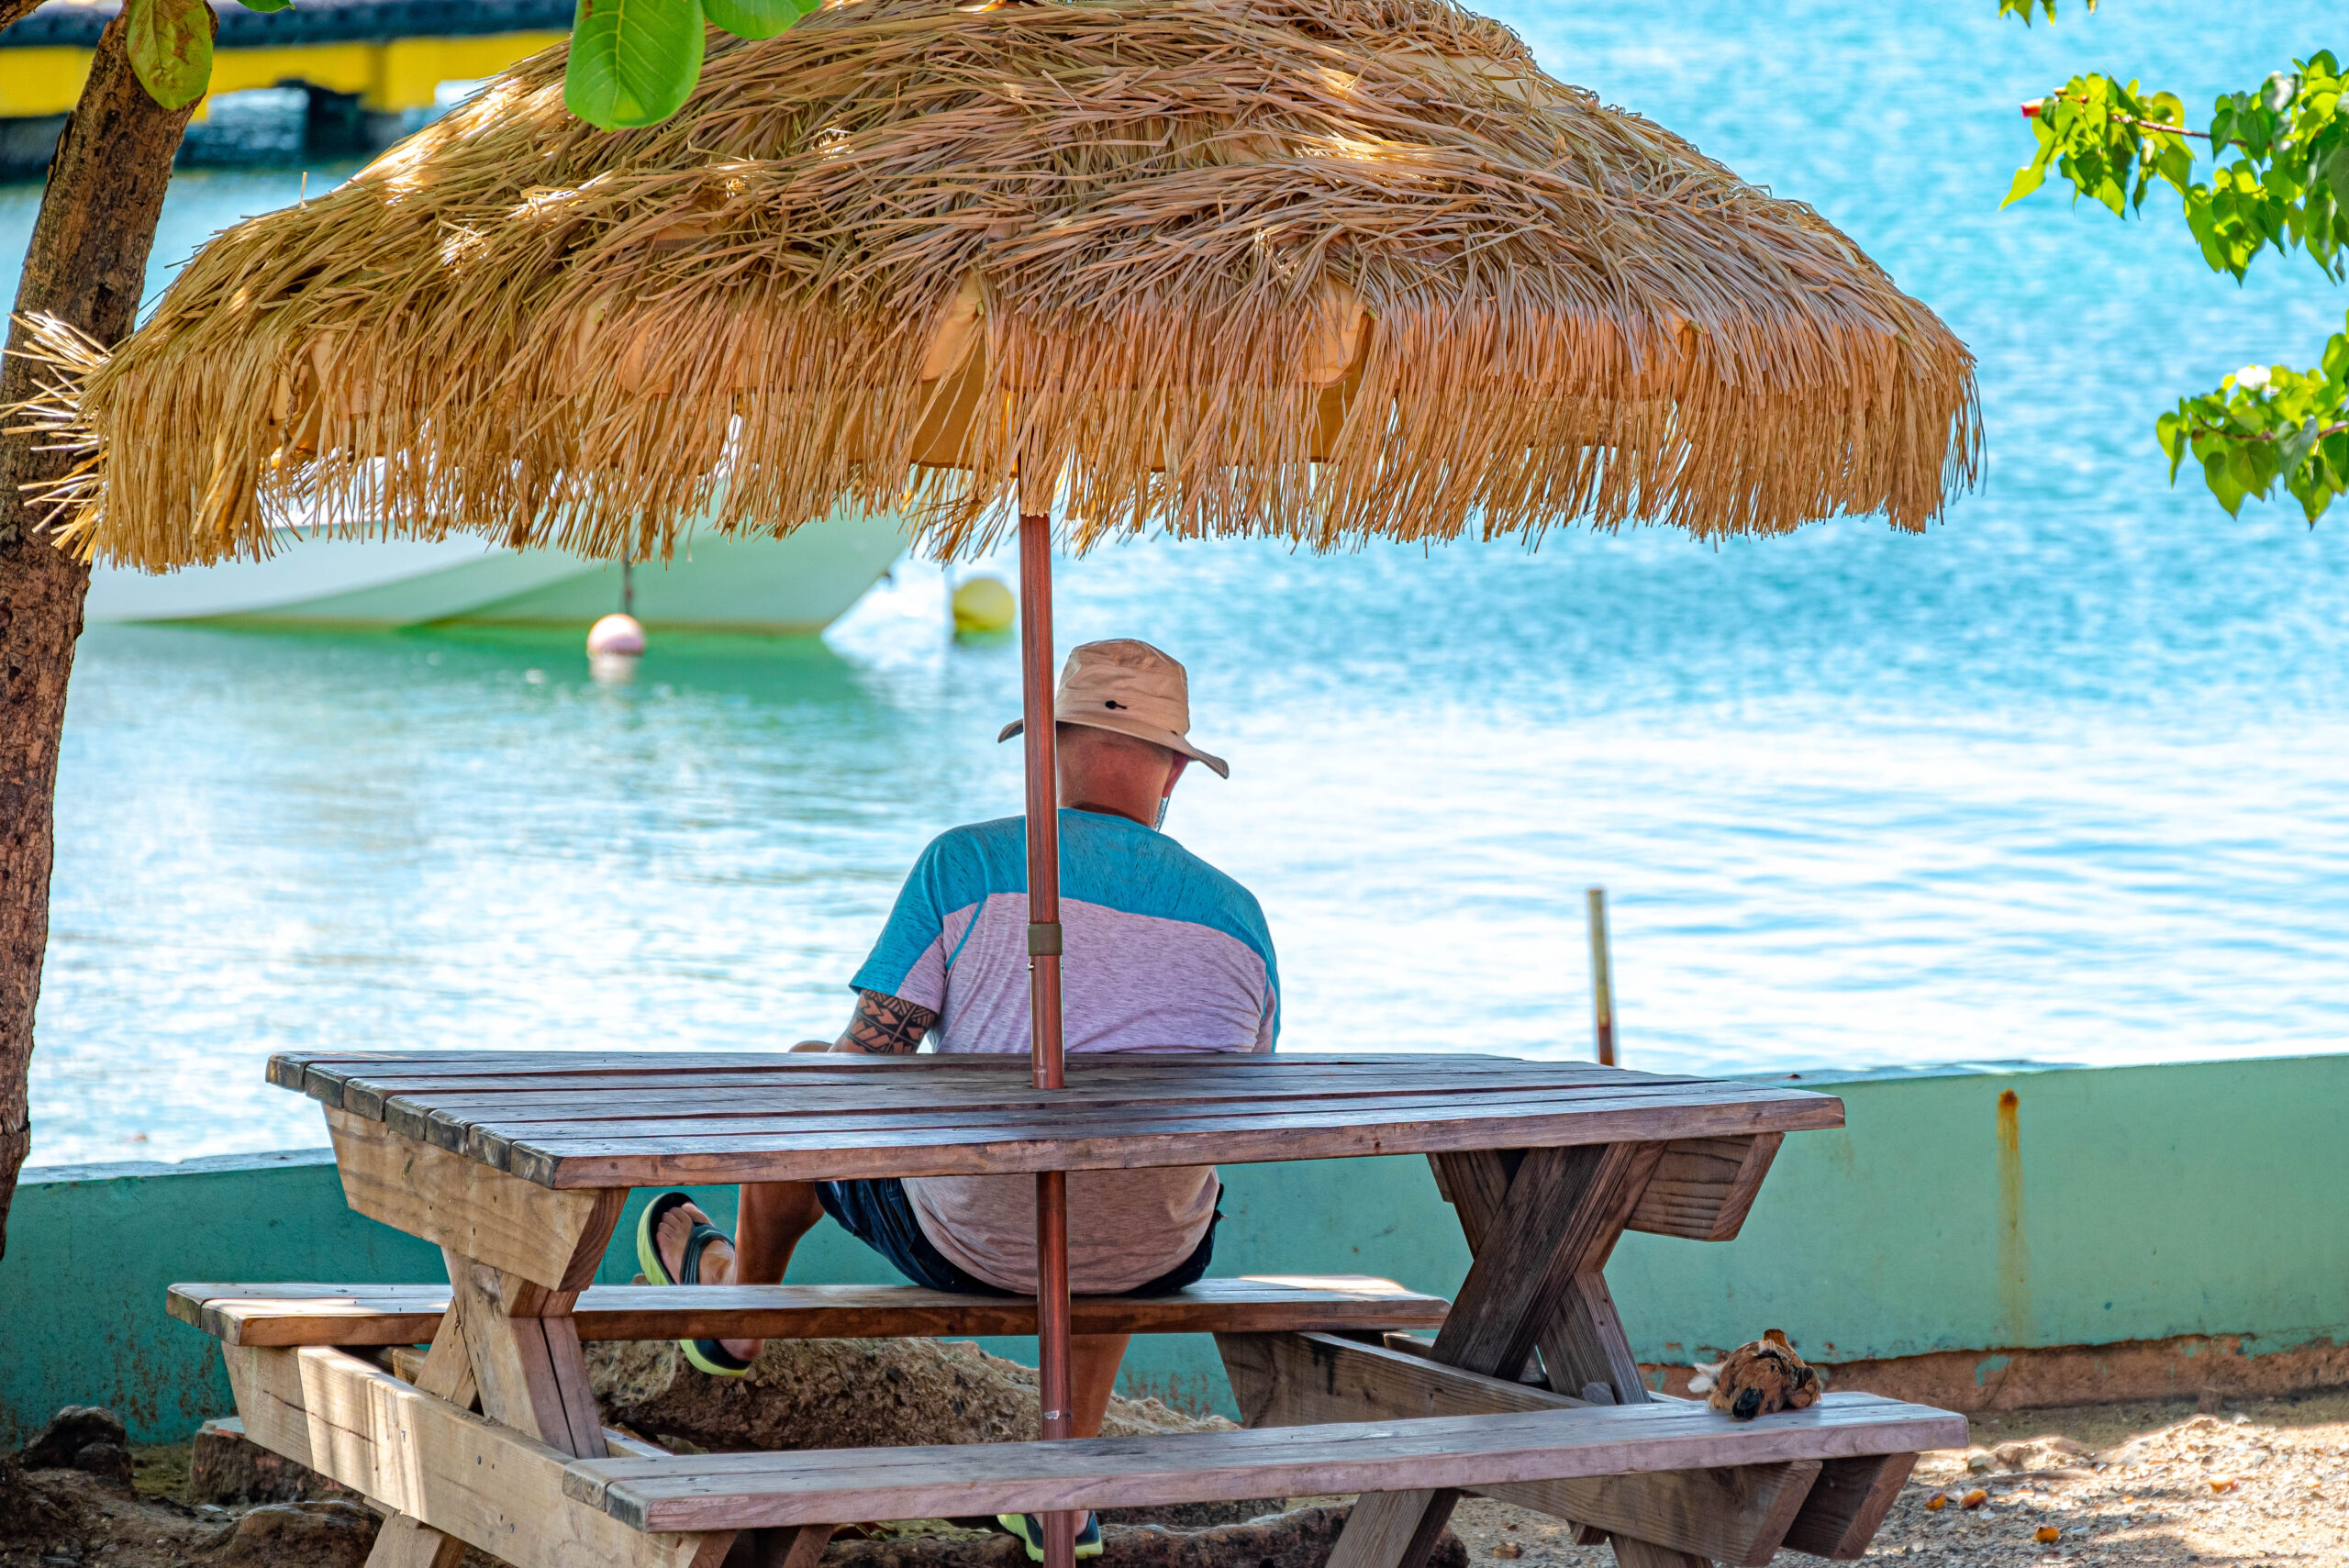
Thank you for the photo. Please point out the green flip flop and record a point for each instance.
(707, 1355)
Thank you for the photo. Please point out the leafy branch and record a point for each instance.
(2026, 9)
(2268, 425)
(2275, 175)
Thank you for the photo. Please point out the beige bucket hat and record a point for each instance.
(1129, 688)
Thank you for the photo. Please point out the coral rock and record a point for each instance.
(297, 1535)
(72, 1429)
(227, 1467)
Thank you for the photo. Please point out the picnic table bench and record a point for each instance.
(517, 1165)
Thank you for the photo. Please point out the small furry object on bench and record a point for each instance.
(1758, 1379)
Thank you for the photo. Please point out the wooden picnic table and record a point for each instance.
(518, 1164)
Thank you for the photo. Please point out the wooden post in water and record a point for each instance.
(1044, 986)
(1602, 979)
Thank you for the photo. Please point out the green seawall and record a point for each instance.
(1958, 1211)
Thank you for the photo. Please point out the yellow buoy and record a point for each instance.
(985, 603)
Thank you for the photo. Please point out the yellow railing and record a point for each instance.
(389, 76)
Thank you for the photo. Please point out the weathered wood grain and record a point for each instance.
(1582, 1342)
(553, 1239)
(527, 1368)
(730, 1491)
(612, 1120)
(299, 1314)
(1737, 1516)
(417, 1455)
(447, 1367)
(1847, 1506)
(1703, 1187)
(1544, 1220)
(1034, 1142)
(1557, 1223)
(407, 1542)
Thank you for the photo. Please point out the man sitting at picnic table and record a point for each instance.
(1163, 952)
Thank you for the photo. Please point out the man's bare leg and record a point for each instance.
(772, 1218)
(1093, 1362)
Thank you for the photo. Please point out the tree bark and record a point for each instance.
(15, 11)
(87, 265)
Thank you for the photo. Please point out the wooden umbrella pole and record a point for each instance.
(1044, 991)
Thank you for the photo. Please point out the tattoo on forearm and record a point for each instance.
(887, 1025)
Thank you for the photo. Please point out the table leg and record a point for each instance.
(404, 1542)
(524, 1347)
(1549, 1222)
(1584, 1348)
(447, 1371)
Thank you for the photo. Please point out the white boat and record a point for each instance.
(717, 583)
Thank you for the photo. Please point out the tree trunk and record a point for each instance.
(87, 265)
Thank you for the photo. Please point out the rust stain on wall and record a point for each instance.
(2014, 1247)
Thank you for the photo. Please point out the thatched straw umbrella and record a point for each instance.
(1325, 270)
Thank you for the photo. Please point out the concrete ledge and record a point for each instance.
(141, 1170)
(2151, 1370)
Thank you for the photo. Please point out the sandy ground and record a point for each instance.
(2267, 1484)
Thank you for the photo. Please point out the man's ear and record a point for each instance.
(1181, 761)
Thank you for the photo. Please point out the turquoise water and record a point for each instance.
(2060, 781)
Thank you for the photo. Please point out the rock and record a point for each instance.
(72, 1429)
(227, 1467)
(1981, 1462)
(1299, 1540)
(107, 1461)
(297, 1535)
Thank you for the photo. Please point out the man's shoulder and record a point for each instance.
(982, 837)
(976, 859)
(1156, 875)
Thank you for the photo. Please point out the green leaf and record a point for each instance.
(266, 6)
(169, 43)
(755, 19)
(2294, 450)
(2336, 172)
(632, 62)
(2027, 178)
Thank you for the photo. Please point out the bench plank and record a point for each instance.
(740, 1491)
(1737, 1516)
(302, 1314)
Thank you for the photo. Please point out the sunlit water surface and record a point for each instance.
(2062, 780)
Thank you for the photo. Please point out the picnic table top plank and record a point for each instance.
(814, 1091)
(317, 1069)
(612, 1119)
(485, 1131)
(416, 1110)
(957, 1079)
(1037, 1143)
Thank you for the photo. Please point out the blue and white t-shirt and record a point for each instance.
(1162, 952)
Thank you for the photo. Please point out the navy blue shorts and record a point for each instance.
(877, 1213)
